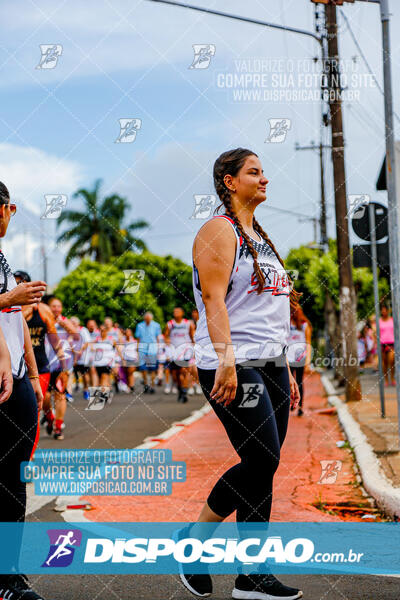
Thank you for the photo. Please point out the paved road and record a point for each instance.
(122, 424)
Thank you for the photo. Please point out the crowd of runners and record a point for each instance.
(73, 356)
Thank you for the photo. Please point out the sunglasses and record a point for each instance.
(11, 206)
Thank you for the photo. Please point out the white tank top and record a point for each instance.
(11, 322)
(297, 346)
(259, 323)
(130, 350)
(104, 352)
(180, 339)
(52, 357)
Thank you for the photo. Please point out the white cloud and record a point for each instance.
(29, 173)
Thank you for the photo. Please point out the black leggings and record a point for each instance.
(256, 423)
(18, 424)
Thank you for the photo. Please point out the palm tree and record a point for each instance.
(98, 231)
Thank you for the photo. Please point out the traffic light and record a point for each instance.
(336, 2)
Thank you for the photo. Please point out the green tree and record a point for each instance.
(95, 290)
(98, 231)
(169, 279)
(319, 276)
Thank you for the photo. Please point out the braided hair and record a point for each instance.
(231, 162)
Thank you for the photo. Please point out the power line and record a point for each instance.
(371, 72)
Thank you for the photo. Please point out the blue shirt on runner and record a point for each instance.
(147, 336)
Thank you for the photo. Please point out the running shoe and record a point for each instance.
(174, 389)
(263, 587)
(182, 397)
(58, 434)
(49, 421)
(86, 394)
(199, 584)
(191, 391)
(152, 390)
(17, 587)
(69, 397)
(167, 389)
(197, 389)
(146, 389)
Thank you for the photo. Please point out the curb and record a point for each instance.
(374, 479)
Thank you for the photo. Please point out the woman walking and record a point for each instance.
(387, 344)
(299, 352)
(19, 414)
(243, 296)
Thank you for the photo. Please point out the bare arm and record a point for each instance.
(6, 379)
(24, 293)
(31, 365)
(308, 348)
(48, 318)
(213, 254)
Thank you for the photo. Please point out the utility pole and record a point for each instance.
(393, 207)
(346, 286)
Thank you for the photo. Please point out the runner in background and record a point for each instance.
(94, 332)
(196, 387)
(161, 360)
(104, 350)
(179, 332)
(115, 332)
(130, 358)
(66, 332)
(387, 344)
(300, 349)
(169, 357)
(148, 334)
(81, 352)
(41, 323)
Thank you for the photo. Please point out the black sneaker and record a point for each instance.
(263, 587)
(146, 389)
(49, 423)
(152, 390)
(16, 587)
(198, 584)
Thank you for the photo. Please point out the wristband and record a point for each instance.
(34, 377)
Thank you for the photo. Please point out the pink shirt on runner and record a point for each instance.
(386, 331)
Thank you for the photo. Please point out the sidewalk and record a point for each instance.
(382, 433)
(297, 494)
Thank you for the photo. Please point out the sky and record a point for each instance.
(132, 60)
